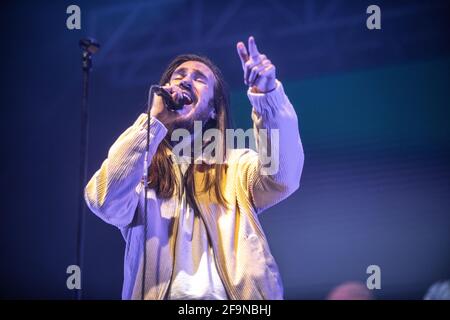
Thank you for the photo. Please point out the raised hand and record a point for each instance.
(259, 72)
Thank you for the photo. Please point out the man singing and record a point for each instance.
(202, 238)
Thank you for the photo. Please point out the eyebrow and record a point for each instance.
(183, 71)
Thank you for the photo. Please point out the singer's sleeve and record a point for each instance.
(273, 172)
(113, 191)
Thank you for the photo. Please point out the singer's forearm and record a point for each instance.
(112, 193)
(278, 163)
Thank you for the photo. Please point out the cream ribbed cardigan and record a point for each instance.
(243, 259)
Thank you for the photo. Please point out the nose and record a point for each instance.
(186, 84)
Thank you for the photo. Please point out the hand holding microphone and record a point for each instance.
(166, 101)
(173, 97)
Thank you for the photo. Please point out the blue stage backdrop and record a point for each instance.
(373, 108)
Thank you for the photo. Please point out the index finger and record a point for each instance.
(252, 48)
(242, 51)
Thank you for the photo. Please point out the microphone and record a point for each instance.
(90, 45)
(169, 101)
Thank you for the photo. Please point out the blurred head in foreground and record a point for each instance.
(350, 291)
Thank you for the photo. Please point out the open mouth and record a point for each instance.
(188, 97)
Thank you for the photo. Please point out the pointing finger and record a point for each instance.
(252, 48)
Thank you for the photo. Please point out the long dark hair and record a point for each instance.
(162, 177)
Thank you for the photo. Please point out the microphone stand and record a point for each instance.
(153, 89)
(171, 105)
(89, 46)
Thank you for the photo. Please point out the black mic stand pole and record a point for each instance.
(89, 46)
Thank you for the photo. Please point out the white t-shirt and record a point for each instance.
(194, 279)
